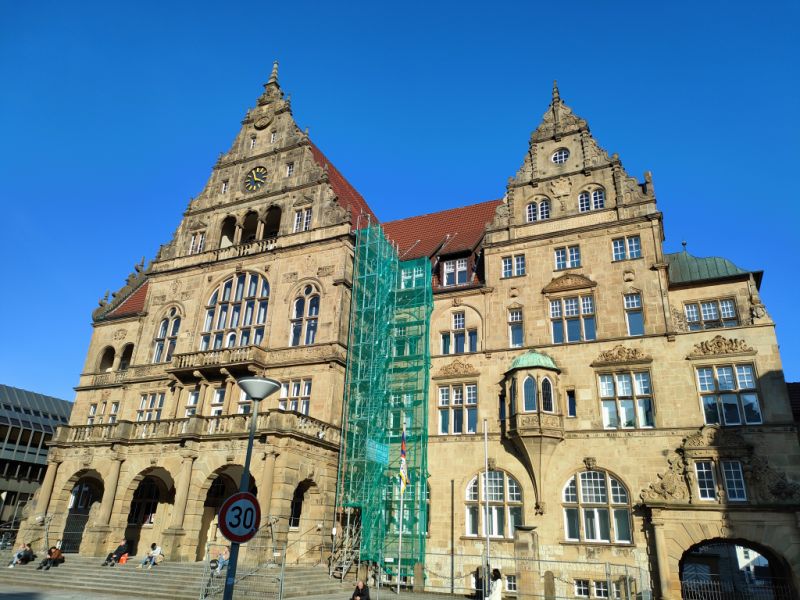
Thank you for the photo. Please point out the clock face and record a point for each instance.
(255, 179)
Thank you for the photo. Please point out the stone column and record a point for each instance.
(47, 488)
(230, 404)
(182, 489)
(260, 230)
(662, 558)
(237, 235)
(109, 493)
(266, 484)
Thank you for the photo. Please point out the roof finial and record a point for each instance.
(556, 95)
(273, 78)
(683, 243)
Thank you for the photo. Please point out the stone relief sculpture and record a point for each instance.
(720, 345)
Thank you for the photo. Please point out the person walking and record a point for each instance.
(496, 589)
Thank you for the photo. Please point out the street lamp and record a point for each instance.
(257, 388)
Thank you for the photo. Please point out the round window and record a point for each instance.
(560, 156)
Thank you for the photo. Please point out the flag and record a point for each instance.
(403, 466)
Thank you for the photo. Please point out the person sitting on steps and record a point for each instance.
(222, 560)
(54, 558)
(152, 557)
(23, 556)
(361, 592)
(113, 557)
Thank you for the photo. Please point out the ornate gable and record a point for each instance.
(567, 282)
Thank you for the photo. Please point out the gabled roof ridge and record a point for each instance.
(349, 197)
(441, 212)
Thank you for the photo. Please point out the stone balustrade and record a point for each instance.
(237, 251)
(275, 422)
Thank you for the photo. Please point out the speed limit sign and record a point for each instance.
(239, 517)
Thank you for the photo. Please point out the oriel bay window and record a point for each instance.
(236, 313)
(728, 395)
(627, 400)
(458, 409)
(596, 509)
(531, 395)
(573, 319)
(503, 495)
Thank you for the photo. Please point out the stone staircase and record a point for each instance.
(167, 581)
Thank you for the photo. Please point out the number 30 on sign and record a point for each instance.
(240, 517)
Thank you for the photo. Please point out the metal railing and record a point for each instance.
(764, 589)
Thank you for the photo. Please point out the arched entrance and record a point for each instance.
(224, 483)
(723, 569)
(148, 512)
(86, 493)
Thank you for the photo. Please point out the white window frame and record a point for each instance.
(626, 248)
(296, 395)
(698, 317)
(633, 304)
(197, 243)
(733, 478)
(704, 492)
(455, 267)
(567, 257)
(289, 169)
(721, 391)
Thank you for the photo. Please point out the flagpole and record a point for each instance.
(486, 504)
(400, 543)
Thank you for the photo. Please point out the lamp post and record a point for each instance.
(257, 388)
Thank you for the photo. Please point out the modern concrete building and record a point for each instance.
(27, 423)
(634, 397)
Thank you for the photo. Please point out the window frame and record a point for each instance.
(456, 267)
(295, 395)
(634, 397)
(573, 501)
(697, 320)
(475, 497)
(633, 305)
(583, 316)
(567, 257)
(628, 248)
(239, 309)
(304, 325)
(722, 392)
(457, 397)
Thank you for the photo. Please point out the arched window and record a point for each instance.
(166, 337)
(227, 232)
(544, 210)
(126, 358)
(305, 314)
(236, 313)
(250, 227)
(531, 212)
(503, 494)
(596, 509)
(529, 392)
(584, 202)
(106, 360)
(598, 199)
(144, 503)
(547, 395)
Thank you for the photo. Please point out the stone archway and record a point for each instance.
(149, 501)
(218, 486)
(85, 494)
(718, 569)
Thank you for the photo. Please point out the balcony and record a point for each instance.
(125, 375)
(237, 251)
(272, 422)
(536, 424)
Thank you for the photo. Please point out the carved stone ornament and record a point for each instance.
(711, 436)
(679, 320)
(263, 122)
(671, 485)
(120, 334)
(768, 485)
(720, 345)
(568, 281)
(590, 462)
(621, 354)
(561, 187)
(456, 369)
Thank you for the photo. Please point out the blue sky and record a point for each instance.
(112, 114)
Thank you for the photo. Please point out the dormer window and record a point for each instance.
(455, 272)
(560, 156)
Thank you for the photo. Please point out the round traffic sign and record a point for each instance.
(240, 517)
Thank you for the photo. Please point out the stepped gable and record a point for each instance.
(348, 196)
(446, 232)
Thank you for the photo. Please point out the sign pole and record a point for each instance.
(244, 485)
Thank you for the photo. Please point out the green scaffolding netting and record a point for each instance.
(386, 387)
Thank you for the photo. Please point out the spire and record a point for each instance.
(273, 78)
(556, 95)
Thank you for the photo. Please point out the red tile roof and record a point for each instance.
(347, 194)
(445, 232)
(132, 305)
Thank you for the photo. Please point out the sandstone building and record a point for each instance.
(634, 399)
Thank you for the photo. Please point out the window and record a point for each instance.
(92, 414)
(224, 187)
(273, 136)
(236, 313)
(166, 337)
(560, 156)
(572, 405)
(511, 583)
(596, 509)
(627, 400)
(531, 212)
(305, 315)
(412, 278)
(529, 403)
(113, 412)
(302, 220)
(458, 409)
(455, 272)
(150, 406)
(289, 169)
(711, 314)
(573, 319)
(581, 588)
(706, 484)
(634, 316)
(503, 495)
(600, 589)
(594, 200)
(544, 210)
(530, 394)
(295, 395)
(626, 248)
(252, 142)
(537, 212)
(197, 243)
(515, 329)
(568, 257)
(734, 480)
(513, 265)
(191, 403)
(728, 395)
(459, 339)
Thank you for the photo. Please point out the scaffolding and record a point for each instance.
(386, 389)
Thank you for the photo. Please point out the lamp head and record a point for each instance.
(258, 388)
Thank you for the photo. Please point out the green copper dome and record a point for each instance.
(534, 360)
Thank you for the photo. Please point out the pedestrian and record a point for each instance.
(23, 556)
(152, 557)
(361, 592)
(496, 589)
(54, 558)
(113, 557)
